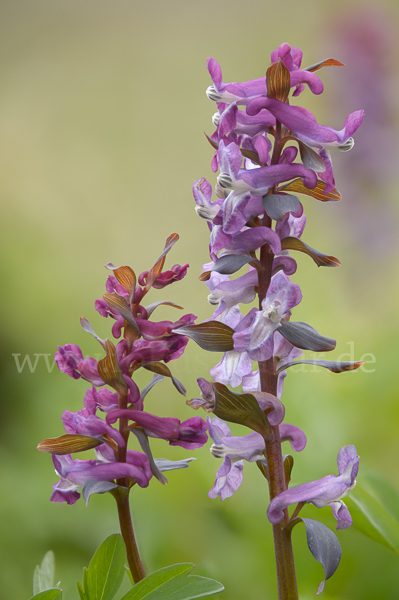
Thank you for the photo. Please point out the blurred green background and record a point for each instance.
(102, 114)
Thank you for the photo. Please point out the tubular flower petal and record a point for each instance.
(189, 434)
(75, 473)
(303, 124)
(328, 490)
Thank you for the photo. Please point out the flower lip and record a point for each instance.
(350, 142)
(272, 311)
(218, 450)
(216, 119)
(213, 94)
(224, 180)
(206, 212)
(214, 298)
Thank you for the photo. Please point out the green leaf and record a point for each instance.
(43, 576)
(53, 594)
(104, 576)
(381, 489)
(371, 519)
(172, 583)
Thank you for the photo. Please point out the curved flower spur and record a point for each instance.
(268, 151)
(144, 344)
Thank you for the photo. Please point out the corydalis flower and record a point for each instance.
(328, 490)
(75, 473)
(234, 450)
(189, 434)
(255, 332)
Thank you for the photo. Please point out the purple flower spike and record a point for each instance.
(328, 490)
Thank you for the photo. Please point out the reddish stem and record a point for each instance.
(125, 520)
(121, 495)
(286, 577)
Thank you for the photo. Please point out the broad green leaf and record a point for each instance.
(53, 594)
(104, 575)
(43, 576)
(174, 583)
(371, 519)
(82, 593)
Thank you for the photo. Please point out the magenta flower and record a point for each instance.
(189, 434)
(85, 422)
(303, 124)
(69, 359)
(232, 92)
(176, 273)
(75, 473)
(292, 58)
(328, 490)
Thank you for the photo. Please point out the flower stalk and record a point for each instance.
(285, 567)
(126, 526)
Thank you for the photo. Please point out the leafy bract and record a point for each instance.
(174, 583)
(323, 544)
(103, 577)
(243, 409)
(210, 335)
(304, 336)
(231, 263)
(371, 519)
